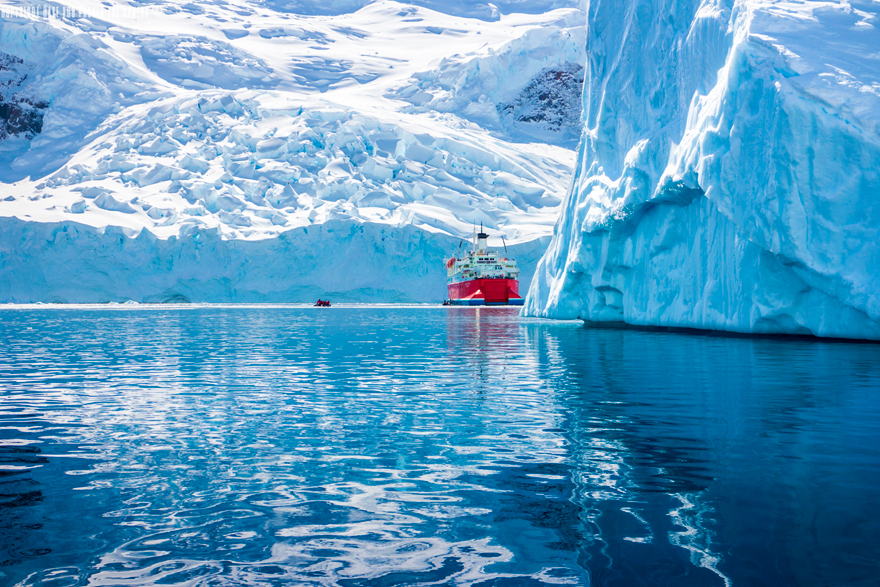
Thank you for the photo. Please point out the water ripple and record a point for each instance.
(427, 446)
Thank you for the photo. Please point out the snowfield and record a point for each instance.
(729, 174)
(169, 126)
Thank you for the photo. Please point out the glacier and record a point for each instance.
(65, 262)
(728, 175)
(224, 136)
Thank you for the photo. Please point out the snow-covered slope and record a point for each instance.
(729, 175)
(254, 119)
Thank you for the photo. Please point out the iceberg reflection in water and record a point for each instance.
(421, 445)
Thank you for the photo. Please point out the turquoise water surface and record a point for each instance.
(382, 446)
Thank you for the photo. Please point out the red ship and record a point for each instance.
(483, 277)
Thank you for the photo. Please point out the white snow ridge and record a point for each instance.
(729, 174)
(277, 151)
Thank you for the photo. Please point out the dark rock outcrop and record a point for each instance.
(550, 103)
(21, 115)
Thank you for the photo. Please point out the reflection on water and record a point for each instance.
(428, 446)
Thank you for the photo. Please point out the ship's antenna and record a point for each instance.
(505, 245)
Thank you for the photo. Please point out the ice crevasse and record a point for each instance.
(728, 174)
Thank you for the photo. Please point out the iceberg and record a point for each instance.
(728, 174)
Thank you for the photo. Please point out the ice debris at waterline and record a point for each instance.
(342, 260)
(255, 119)
(729, 175)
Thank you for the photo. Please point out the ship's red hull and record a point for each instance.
(478, 292)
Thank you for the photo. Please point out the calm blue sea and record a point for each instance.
(384, 446)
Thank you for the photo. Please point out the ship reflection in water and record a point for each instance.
(428, 446)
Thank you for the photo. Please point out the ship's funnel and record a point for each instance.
(482, 246)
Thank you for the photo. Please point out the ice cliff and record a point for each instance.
(728, 175)
(339, 259)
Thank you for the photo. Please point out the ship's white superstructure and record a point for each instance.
(483, 276)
